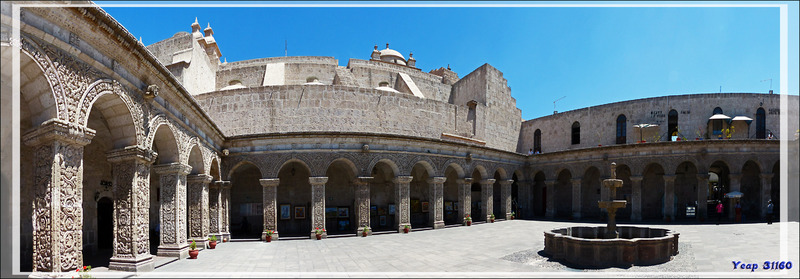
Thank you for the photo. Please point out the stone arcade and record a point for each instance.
(138, 150)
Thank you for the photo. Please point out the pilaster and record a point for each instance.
(550, 199)
(225, 213)
(766, 192)
(505, 197)
(464, 198)
(318, 204)
(362, 203)
(58, 194)
(487, 198)
(636, 198)
(131, 188)
(173, 209)
(270, 192)
(198, 208)
(403, 203)
(736, 186)
(214, 210)
(702, 196)
(576, 198)
(669, 197)
(436, 186)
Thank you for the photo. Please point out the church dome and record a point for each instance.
(393, 56)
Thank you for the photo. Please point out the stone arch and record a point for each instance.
(653, 191)
(189, 144)
(750, 186)
(164, 136)
(392, 165)
(214, 169)
(590, 193)
(452, 163)
(426, 163)
(240, 164)
(350, 166)
(540, 192)
(481, 170)
(195, 159)
(563, 193)
(134, 125)
(340, 192)
(37, 56)
(502, 173)
(685, 187)
(245, 193)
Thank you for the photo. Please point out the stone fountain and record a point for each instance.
(609, 246)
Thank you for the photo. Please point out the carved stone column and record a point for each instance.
(736, 186)
(403, 204)
(550, 199)
(214, 212)
(58, 195)
(487, 197)
(318, 204)
(576, 198)
(225, 213)
(636, 198)
(464, 198)
(669, 197)
(436, 190)
(702, 196)
(505, 197)
(198, 208)
(131, 188)
(270, 192)
(362, 203)
(173, 209)
(766, 192)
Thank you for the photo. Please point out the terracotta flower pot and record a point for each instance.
(405, 230)
(193, 254)
(319, 237)
(269, 238)
(469, 223)
(212, 244)
(364, 234)
(492, 220)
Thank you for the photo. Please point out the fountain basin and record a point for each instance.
(587, 246)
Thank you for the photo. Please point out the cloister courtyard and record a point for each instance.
(501, 249)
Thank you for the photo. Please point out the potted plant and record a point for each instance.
(193, 250)
(365, 231)
(212, 242)
(468, 220)
(319, 233)
(406, 228)
(269, 233)
(84, 272)
(491, 218)
(513, 214)
(729, 132)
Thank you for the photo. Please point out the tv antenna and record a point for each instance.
(770, 83)
(554, 104)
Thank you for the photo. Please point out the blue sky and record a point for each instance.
(590, 55)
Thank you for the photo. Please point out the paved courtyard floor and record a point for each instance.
(502, 249)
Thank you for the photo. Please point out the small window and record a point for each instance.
(537, 141)
(576, 133)
(622, 129)
(717, 123)
(672, 125)
(761, 124)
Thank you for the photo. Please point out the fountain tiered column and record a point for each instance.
(612, 205)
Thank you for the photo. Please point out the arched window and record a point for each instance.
(761, 124)
(537, 141)
(672, 125)
(576, 133)
(717, 123)
(621, 129)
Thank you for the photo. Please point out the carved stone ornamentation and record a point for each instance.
(362, 202)
(214, 197)
(151, 92)
(131, 187)
(402, 184)
(198, 207)
(173, 209)
(464, 197)
(58, 195)
(270, 192)
(487, 197)
(225, 199)
(505, 197)
(436, 192)
(317, 204)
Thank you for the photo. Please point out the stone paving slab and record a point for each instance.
(502, 249)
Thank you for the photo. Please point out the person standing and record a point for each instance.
(720, 207)
(738, 209)
(770, 208)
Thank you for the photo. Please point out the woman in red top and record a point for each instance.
(719, 211)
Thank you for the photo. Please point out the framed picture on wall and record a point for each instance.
(286, 211)
(343, 225)
(448, 206)
(425, 206)
(299, 212)
(383, 220)
(455, 205)
(373, 209)
(330, 212)
(382, 210)
(415, 206)
(392, 209)
(344, 212)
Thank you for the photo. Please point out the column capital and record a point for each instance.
(669, 177)
(133, 152)
(767, 175)
(59, 130)
(576, 180)
(437, 180)
(173, 168)
(269, 182)
(506, 182)
(318, 180)
(550, 182)
(402, 179)
(637, 178)
(363, 180)
(488, 181)
(204, 178)
(222, 184)
(464, 181)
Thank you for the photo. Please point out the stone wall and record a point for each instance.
(296, 70)
(370, 74)
(598, 123)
